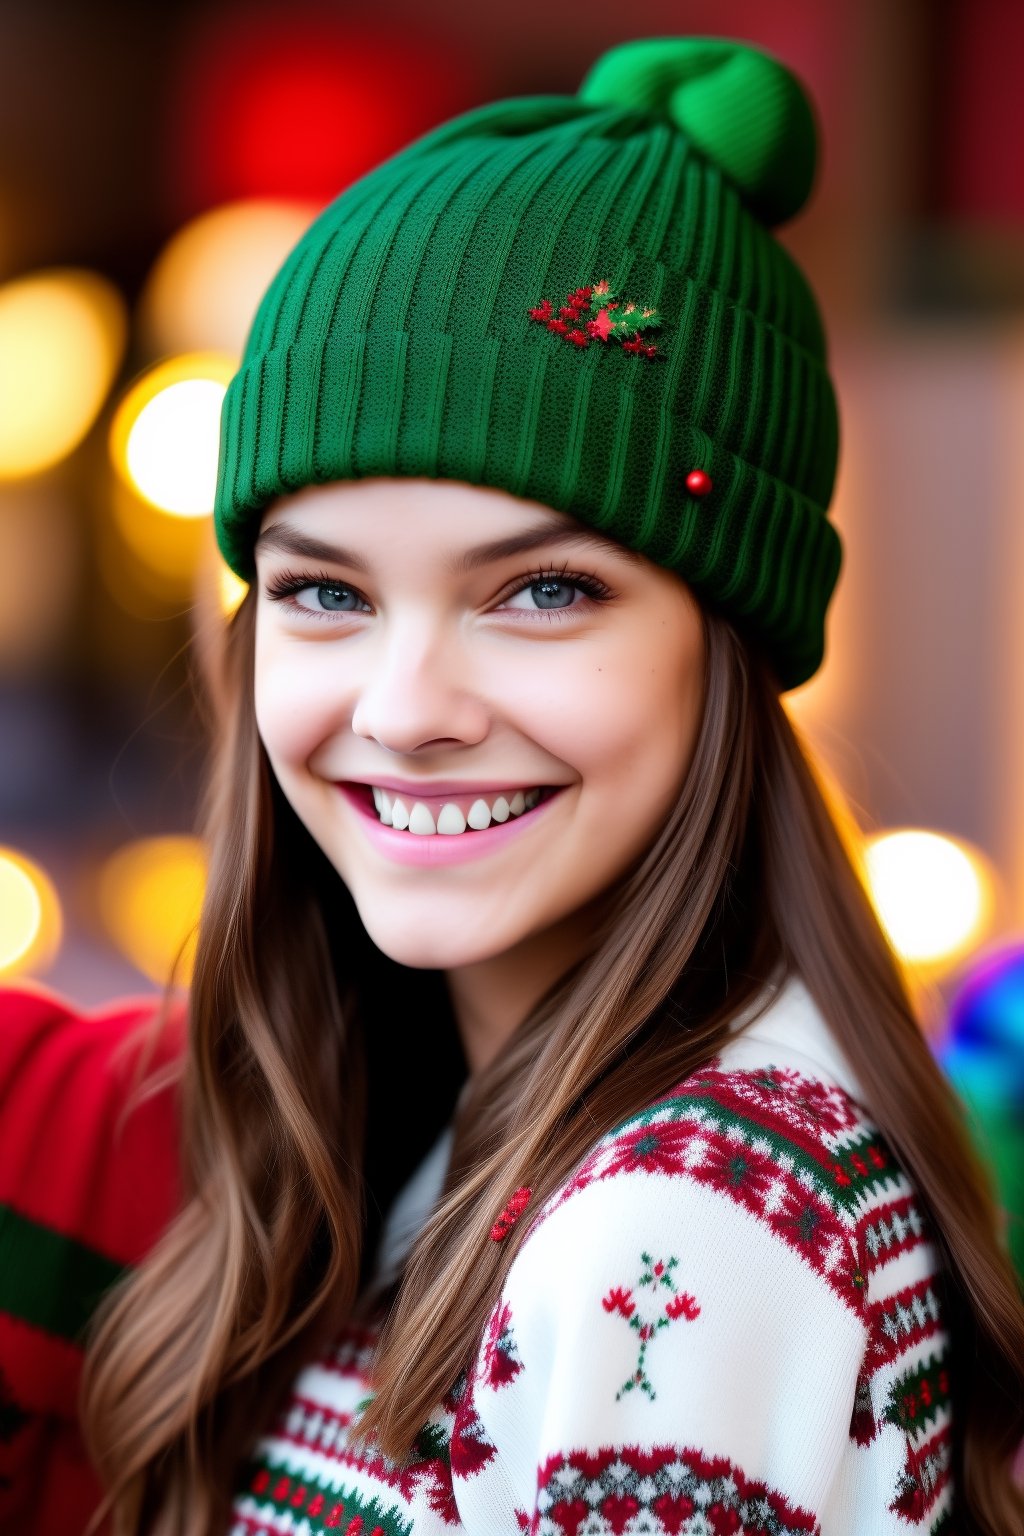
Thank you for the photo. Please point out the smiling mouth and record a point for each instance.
(449, 817)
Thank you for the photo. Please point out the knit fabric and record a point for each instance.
(729, 1320)
(88, 1181)
(575, 299)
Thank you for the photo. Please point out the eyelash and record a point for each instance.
(284, 587)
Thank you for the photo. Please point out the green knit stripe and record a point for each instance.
(48, 1280)
(917, 1396)
(729, 1121)
(320, 1506)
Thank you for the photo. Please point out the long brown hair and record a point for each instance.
(294, 1067)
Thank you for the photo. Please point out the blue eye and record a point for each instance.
(327, 597)
(550, 592)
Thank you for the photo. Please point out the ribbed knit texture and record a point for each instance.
(396, 339)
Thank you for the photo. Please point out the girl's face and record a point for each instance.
(460, 648)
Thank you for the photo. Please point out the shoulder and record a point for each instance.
(751, 1166)
(765, 1158)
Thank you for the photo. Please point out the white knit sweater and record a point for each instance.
(728, 1321)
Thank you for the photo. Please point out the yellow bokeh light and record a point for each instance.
(165, 435)
(206, 285)
(172, 447)
(231, 589)
(934, 894)
(30, 920)
(62, 338)
(150, 893)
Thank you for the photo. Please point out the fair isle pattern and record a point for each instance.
(795, 1151)
(661, 1490)
(306, 1478)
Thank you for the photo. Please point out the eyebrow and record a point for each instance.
(289, 541)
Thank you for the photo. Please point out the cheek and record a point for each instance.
(295, 702)
(625, 719)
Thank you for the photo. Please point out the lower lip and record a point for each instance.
(440, 849)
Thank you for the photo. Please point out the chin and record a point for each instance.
(427, 951)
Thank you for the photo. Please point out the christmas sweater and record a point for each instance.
(88, 1181)
(729, 1321)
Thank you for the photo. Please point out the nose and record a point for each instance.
(413, 693)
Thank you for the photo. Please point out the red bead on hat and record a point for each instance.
(698, 483)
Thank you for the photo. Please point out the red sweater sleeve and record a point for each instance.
(88, 1181)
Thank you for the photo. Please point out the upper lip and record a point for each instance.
(434, 787)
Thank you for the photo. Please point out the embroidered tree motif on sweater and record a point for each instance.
(648, 1313)
(596, 313)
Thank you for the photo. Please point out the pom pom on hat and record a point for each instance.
(742, 109)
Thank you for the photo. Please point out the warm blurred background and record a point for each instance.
(157, 163)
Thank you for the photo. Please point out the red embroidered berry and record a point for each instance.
(580, 338)
(698, 483)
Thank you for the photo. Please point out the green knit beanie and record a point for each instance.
(574, 299)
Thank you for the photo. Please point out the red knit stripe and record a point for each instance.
(70, 1159)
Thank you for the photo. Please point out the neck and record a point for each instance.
(491, 997)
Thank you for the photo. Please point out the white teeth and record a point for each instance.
(421, 821)
(393, 811)
(450, 820)
(479, 815)
(399, 815)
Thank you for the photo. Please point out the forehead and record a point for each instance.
(471, 525)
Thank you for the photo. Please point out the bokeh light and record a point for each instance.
(165, 434)
(301, 106)
(231, 589)
(934, 894)
(62, 338)
(150, 893)
(30, 916)
(204, 288)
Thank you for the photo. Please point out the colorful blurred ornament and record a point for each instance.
(982, 1052)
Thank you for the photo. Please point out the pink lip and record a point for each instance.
(427, 788)
(440, 850)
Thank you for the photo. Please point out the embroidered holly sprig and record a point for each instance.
(648, 1321)
(597, 313)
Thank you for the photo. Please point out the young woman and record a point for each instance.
(561, 1153)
